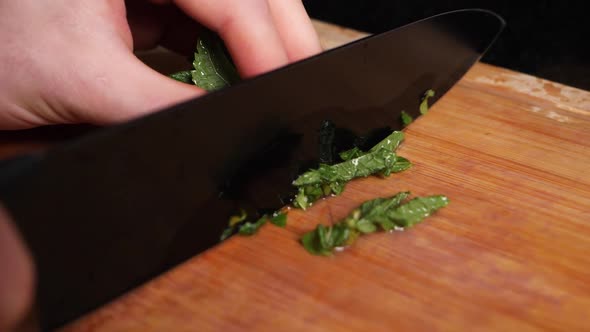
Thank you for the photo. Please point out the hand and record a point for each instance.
(72, 61)
(16, 276)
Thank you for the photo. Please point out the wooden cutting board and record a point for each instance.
(510, 253)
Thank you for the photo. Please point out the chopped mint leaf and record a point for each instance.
(406, 119)
(250, 228)
(331, 179)
(416, 210)
(424, 104)
(390, 142)
(324, 239)
(236, 219)
(351, 154)
(401, 164)
(226, 234)
(279, 219)
(384, 213)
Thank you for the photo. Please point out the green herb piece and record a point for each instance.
(384, 213)
(236, 219)
(250, 228)
(416, 210)
(351, 154)
(424, 104)
(330, 179)
(213, 69)
(391, 142)
(279, 219)
(324, 239)
(406, 119)
(183, 76)
(401, 164)
(238, 223)
(226, 233)
(233, 223)
(327, 180)
(374, 212)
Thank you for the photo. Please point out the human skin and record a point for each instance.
(72, 61)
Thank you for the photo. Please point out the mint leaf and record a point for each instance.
(324, 239)
(183, 76)
(239, 224)
(311, 243)
(250, 228)
(226, 234)
(330, 179)
(391, 142)
(366, 226)
(384, 213)
(279, 219)
(401, 164)
(416, 210)
(351, 154)
(406, 119)
(424, 104)
(213, 69)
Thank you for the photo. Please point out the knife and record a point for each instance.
(108, 211)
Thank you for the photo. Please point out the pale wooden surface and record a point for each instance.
(510, 253)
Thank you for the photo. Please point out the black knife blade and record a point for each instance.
(108, 211)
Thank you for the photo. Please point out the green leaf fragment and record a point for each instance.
(311, 243)
(308, 194)
(213, 69)
(351, 154)
(183, 76)
(236, 219)
(279, 219)
(233, 222)
(250, 228)
(384, 213)
(391, 142)
(330, 179)
(238, 222)
(401, 164)
(362, 166)
(226, 233)
(424, 104)
(416, 210)
(324, 239)
(366, 226)
(406, 119)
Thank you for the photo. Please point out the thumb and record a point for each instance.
(130, 89)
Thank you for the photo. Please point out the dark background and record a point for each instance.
(549, 39)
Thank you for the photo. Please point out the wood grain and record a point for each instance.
(510, 253)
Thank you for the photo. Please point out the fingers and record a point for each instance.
(248, 29)
(261, 35)
(294, 26)
(17, 279)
